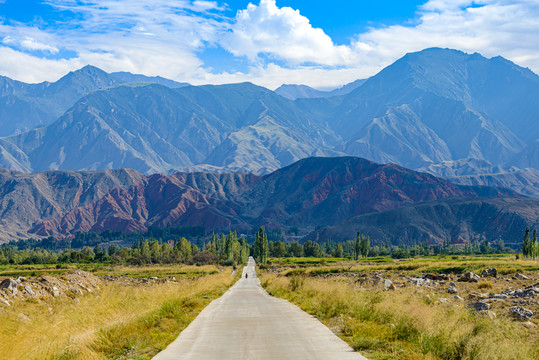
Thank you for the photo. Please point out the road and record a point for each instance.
(247, 323)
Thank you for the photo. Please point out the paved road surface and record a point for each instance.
(247, 323)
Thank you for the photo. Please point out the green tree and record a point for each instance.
(339, 251)
(155, 252)
(244, 250)
(230, 240)
(295, 249)
(357, 248)
(145, 252)
(526, 244)
(312, 249)
(261, 246)
(365, 246)
(183, 250)
(534, 245)
(280, 249)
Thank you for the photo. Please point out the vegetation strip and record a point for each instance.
(122, 318)
(385, 316)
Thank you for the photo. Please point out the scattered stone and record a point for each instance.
(443, 300)
(492, 272)
(417, 281)
(20, 279)
(79, 292)
(388, 285)
(23, 317)
(469, 277)
(520, 313)
(487, 313)
(437, 277)
(521, 277)
(480, 305)
(29, 290)
(528, 324)
(76, 300)
(4, 301)
(498, 296)
(54, 291)
(529, 292)
(456, 297)
(154, 278)
(9, 285)
(452, 290)
(452, 284)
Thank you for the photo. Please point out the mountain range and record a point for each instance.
(293, 91)
(429, 108)
(26, 106)
(310, 195)
(120, 151)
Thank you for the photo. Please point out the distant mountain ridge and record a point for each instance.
(294, 92)
(435, 106)
(309, 193)
(26, 106)
(459, 220)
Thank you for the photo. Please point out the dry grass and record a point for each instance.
(119, 321)
(405, 323)
(506, 264)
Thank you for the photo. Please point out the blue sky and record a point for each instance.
(269, 42)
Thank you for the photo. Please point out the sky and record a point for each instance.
(324, 44)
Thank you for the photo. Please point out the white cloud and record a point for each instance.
(282, 33)
(159, 37)
(272, 76)
(490, 27)
(165, 37)
(31, 44)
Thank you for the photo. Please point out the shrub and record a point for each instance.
(484, 284)
(296, 283)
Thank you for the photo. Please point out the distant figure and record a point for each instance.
(246, 275)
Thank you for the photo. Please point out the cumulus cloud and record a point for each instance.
(279, 44)
(490, 27)
(159, 37)
(282, 33)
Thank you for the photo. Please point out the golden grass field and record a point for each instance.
(408, 322)
(120, 320)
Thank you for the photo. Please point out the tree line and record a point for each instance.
(229, 248)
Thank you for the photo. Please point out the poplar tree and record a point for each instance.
(231, 238)
(261, 246)
(526, 244)
(244, 251)
(365, 246)
(357, 246)
(534, 246)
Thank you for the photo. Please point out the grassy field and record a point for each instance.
(409, 322)
(105, 269)
(456, 264)
(119, 321)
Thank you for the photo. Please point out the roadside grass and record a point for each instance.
(119, 321)
(506, 264)
(177, 270)
(406, 323)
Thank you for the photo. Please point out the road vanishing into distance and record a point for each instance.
(247, 323)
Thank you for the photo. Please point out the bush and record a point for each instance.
(296, 283)
(205, 258)
(484, 284)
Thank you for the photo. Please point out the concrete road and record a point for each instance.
(247, 323)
